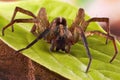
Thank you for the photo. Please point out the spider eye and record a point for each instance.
(61, 20)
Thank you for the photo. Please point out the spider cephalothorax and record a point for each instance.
(58, 34)
(60, 26)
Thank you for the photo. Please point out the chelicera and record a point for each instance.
(58, 34)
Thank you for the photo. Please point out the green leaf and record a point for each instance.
(71, 66)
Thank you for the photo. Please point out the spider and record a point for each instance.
(58, 34)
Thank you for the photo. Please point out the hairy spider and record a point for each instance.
(58, 34)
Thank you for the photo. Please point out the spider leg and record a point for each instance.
(90, 33)
(53, 43)
(103, 19)
(18, 9)
(79, 20)
(33, 30)
(69, 41)
(87, 49)
(78, 30)
(42, 35)
(44, 23)
(19, 21)
(42, 15)
(80, 16)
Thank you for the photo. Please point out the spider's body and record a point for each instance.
(58, 34)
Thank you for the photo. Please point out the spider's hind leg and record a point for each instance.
(21, 10)
(100, 19)
(18, 21)
(90, 33)
(13, 20)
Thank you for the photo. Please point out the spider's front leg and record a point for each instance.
(42, 35)
(53, 45)
(78, 34)
(90, 33)
(43, 22)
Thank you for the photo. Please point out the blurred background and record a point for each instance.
(99, 8)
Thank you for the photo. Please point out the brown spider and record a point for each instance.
(58, 34)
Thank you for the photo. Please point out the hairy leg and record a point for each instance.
(90, 33)
(97, 19)
(18, 21)
(33, 30)
(79, 20)
(42, 35)
(80, 16)
(87, 49)
(67, 48)
(21, 10)
(53, 44)
(42, 15)
(77, 30)
(44, 23)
